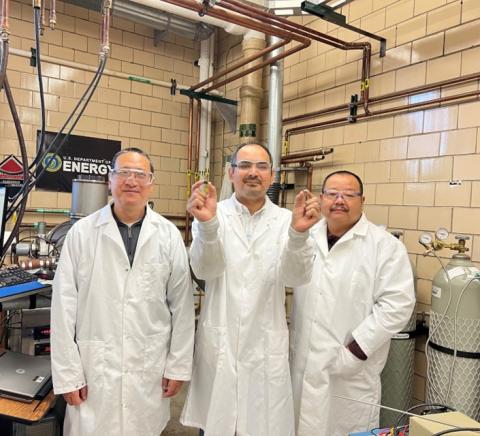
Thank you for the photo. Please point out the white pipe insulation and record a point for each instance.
(192, 15)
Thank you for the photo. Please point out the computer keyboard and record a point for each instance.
(14, 275)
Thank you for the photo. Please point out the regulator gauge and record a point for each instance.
(441, 234)
(425, 238)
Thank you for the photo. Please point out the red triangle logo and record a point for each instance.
(11, 167)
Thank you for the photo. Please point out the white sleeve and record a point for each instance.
(206, 252)
(180, 304)
(296, 261)
(67, 370)
(394, 300)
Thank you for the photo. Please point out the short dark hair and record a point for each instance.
(233, 159)
(132, 150)
(345, 172)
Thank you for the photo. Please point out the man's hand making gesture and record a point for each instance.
(202, 203)
(306, 211)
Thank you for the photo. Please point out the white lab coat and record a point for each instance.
(361, 289)
(240, 383)
(120, 329)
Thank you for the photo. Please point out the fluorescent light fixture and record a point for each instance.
(283, 11)
(337, 4)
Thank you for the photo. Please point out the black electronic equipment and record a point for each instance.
(3, 213)
(16, 282)
(15, 275)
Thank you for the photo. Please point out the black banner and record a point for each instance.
(80, 155)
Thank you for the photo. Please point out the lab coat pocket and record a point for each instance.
(360, 294)
(276, 353)
(278, 395)
(154, 281)
(347, 363)
(92, 354)
(155, 354)
(211, 341)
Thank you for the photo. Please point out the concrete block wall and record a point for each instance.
(137, 114)
(406, 161)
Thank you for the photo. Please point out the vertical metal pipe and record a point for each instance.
(4, 18)
(206, 70)
(251, 90)
(309, 177)
(53, 14)
(275, 112)
(197, 137)
(189, 166)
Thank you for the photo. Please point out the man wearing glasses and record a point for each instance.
(247, 249)
(360, 295)
(122, 312)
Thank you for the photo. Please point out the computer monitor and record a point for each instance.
(3, 212)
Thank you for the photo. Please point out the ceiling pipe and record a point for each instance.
(275, 111)
(387, 97)
(398, 110)
(192, 15)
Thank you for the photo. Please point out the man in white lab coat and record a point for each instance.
(122, 312)
(360, 295)
(247, 249)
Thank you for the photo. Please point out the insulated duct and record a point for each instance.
(251, 89)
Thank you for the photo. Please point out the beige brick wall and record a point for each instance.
(137, 114)
(405, 160)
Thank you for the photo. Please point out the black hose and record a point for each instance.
(38, 26)
(273, 192)
(23, 152)
(54, 147)
(3, 61)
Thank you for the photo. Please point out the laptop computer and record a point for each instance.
(23, 377)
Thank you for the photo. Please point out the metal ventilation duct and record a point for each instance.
(156, 19)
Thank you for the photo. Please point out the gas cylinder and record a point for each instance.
(453, 347)
(397, 376)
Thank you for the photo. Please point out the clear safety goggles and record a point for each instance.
(141, 177)
(247, 165)
(333, 194)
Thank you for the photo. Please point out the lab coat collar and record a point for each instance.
(241, 208)
(320, 234)
(233, 208)
(150, 224)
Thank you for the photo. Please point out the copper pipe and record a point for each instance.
(53, 14)
(253, 12)
(386, 97)
(261, 53)
(309, 177)
(399, 110)
(286, 159)
(42, 17)
(251, 24)
(255, 67)
(237, 19)
(4, 25)
(283, 23)
(105, 33)
(309, 153)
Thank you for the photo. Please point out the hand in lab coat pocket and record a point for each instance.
(347, 363)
